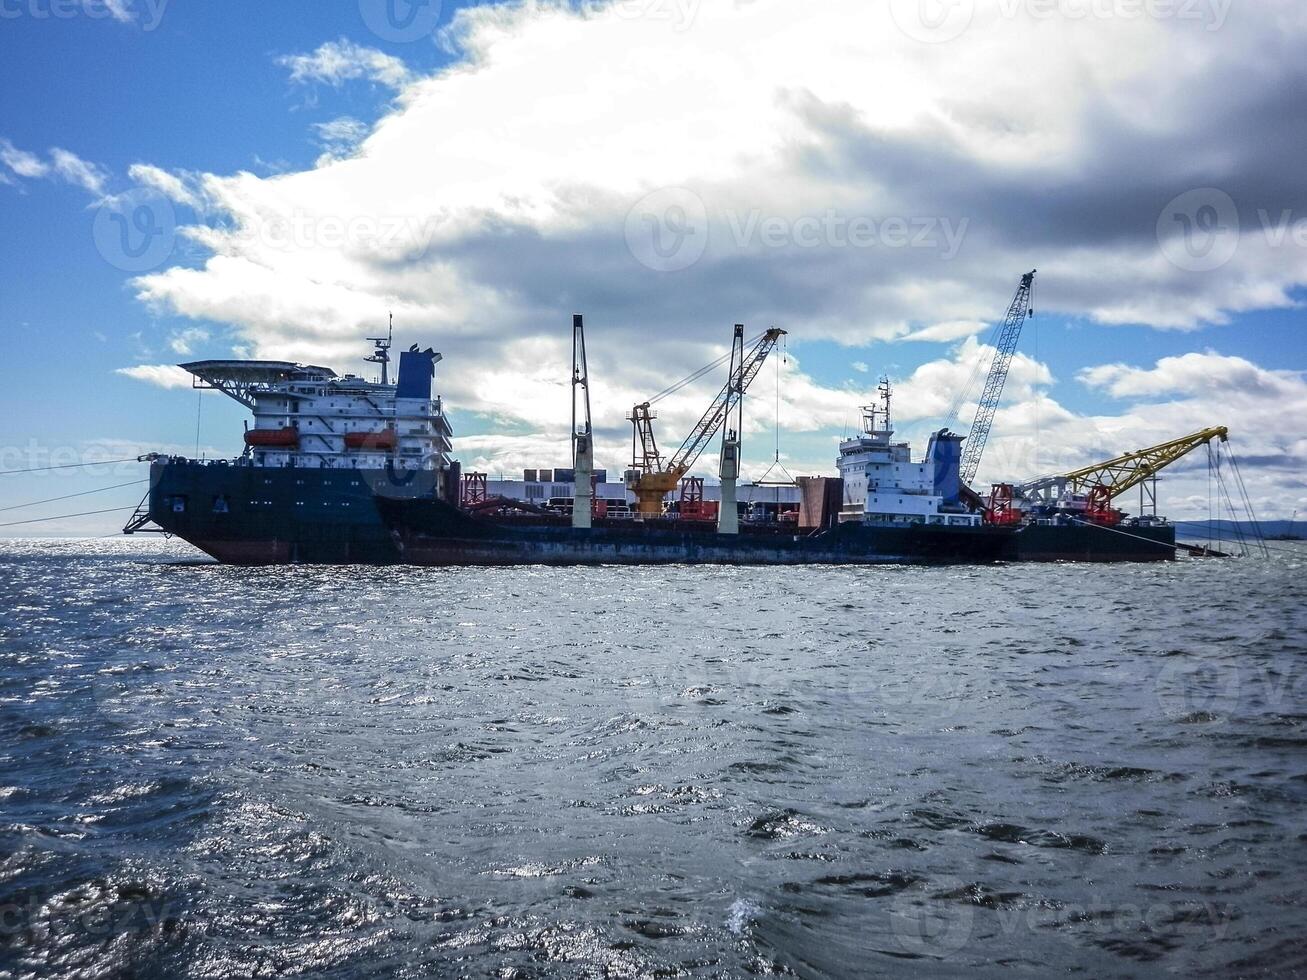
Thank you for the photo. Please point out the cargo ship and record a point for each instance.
(342, 470)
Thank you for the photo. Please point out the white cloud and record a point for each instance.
(183, 341)
(171, 186)
(1194, 374)
(947, 332)
(63, 164)
(339, 137)
(160, 375)
(78, 172)
(21, 162)
(526, 158)
(337, 62)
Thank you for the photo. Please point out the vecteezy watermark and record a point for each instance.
(1201, 230)
(1103, 917)
(1198, 231)
(401, 21)
(919, 701)
(44, 460)
(103, 915)
(939, 919)
(932, 21)
(1190, 689)
(667, 230)
(1210, 14)
(392, 237)
(680, 14)
(1284, 228)
(936, 21)
(835, 230)
(925, 924)
(121, 10)
(135, 231)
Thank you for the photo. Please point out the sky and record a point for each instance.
(183, 181)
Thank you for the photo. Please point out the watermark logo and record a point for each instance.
(926, 925)
(1191, 690)
(1211, 14)
(1188, 691)
(680, 14)
(135, 231)
(389, 238)
(835, 230)
(667, 230)
(401, 21)
(104, 915)
(932, 21)
(1198, 231)
(1283, 228)
(937, 21)
(124, 11)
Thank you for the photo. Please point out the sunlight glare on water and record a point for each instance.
(213, 771)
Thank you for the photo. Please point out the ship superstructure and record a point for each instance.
(321, 449)
(308, 416)
(884, 485)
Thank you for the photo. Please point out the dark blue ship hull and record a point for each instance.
(430, 532)
(249, 515)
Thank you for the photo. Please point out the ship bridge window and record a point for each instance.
(178, 504)
(220, 505)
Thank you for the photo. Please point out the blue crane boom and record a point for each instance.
(1004, 349)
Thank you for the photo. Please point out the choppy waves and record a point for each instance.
(212, 772)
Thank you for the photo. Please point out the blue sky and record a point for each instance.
(210, 91)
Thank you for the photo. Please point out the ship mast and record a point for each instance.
(381, 351)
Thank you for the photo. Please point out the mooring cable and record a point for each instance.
(70, 496)
(61, 517)
(72, 466)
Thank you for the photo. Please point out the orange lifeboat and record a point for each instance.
(383, 440)
(287, 438)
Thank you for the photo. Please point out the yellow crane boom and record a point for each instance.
(650, 478)
(1116, 476)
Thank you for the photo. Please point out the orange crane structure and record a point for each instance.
(651, 477)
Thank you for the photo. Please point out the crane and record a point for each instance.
(651, 477)
(1005, 347)
(582, 434)
(1116, 476)
(728, 462)
(1100, 483)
